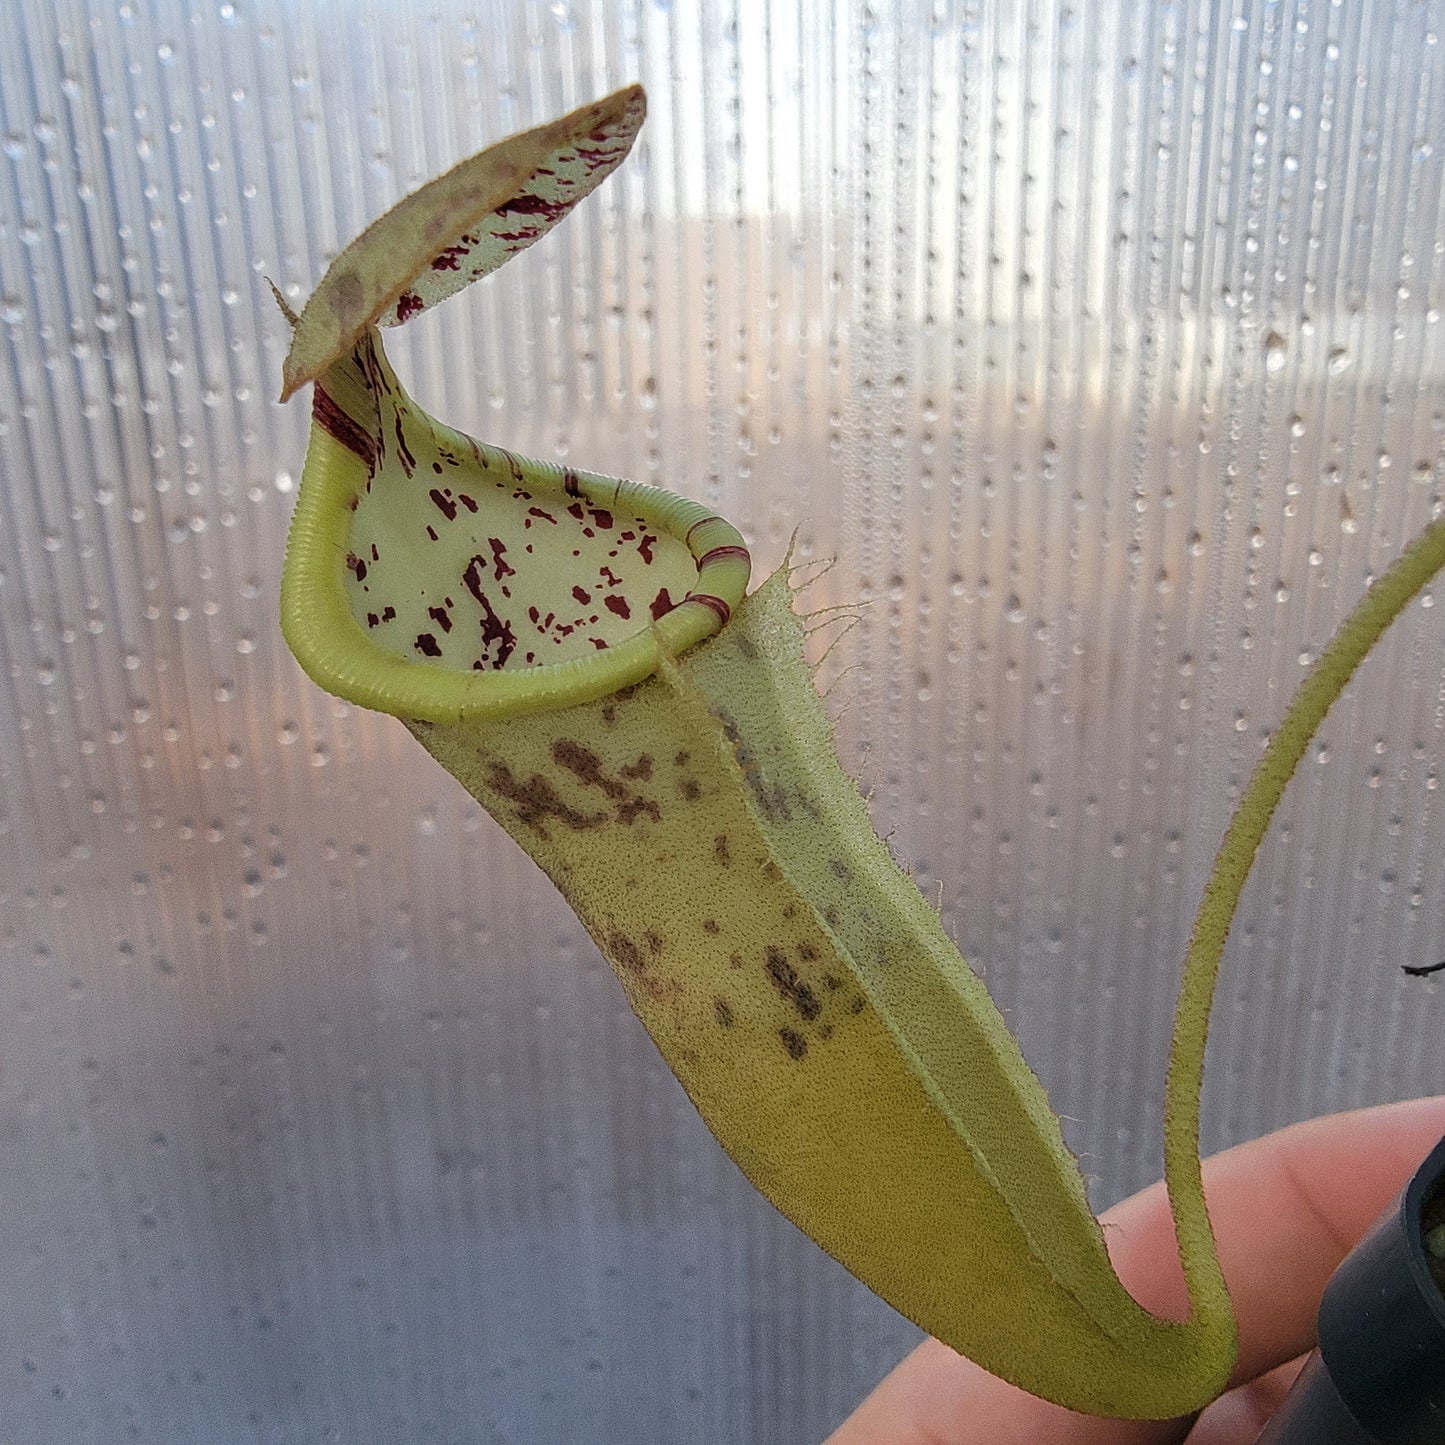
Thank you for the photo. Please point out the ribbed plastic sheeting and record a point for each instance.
(1101, 345)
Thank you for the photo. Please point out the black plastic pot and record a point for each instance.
(1378, 1376)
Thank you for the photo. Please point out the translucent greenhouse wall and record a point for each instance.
(1099, 344)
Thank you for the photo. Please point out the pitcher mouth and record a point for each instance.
(440, 579)
(436, 578)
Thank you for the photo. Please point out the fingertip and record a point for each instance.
(1286, 1209)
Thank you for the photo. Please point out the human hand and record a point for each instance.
(1286, 1208)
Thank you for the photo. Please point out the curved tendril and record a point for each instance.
(1387, 597)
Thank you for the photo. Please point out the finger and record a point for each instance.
(1286, 1209)
(936, 1397)
(1237, 1418)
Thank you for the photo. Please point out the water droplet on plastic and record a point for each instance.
(1276, 352)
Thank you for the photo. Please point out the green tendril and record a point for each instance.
(1387, 597)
